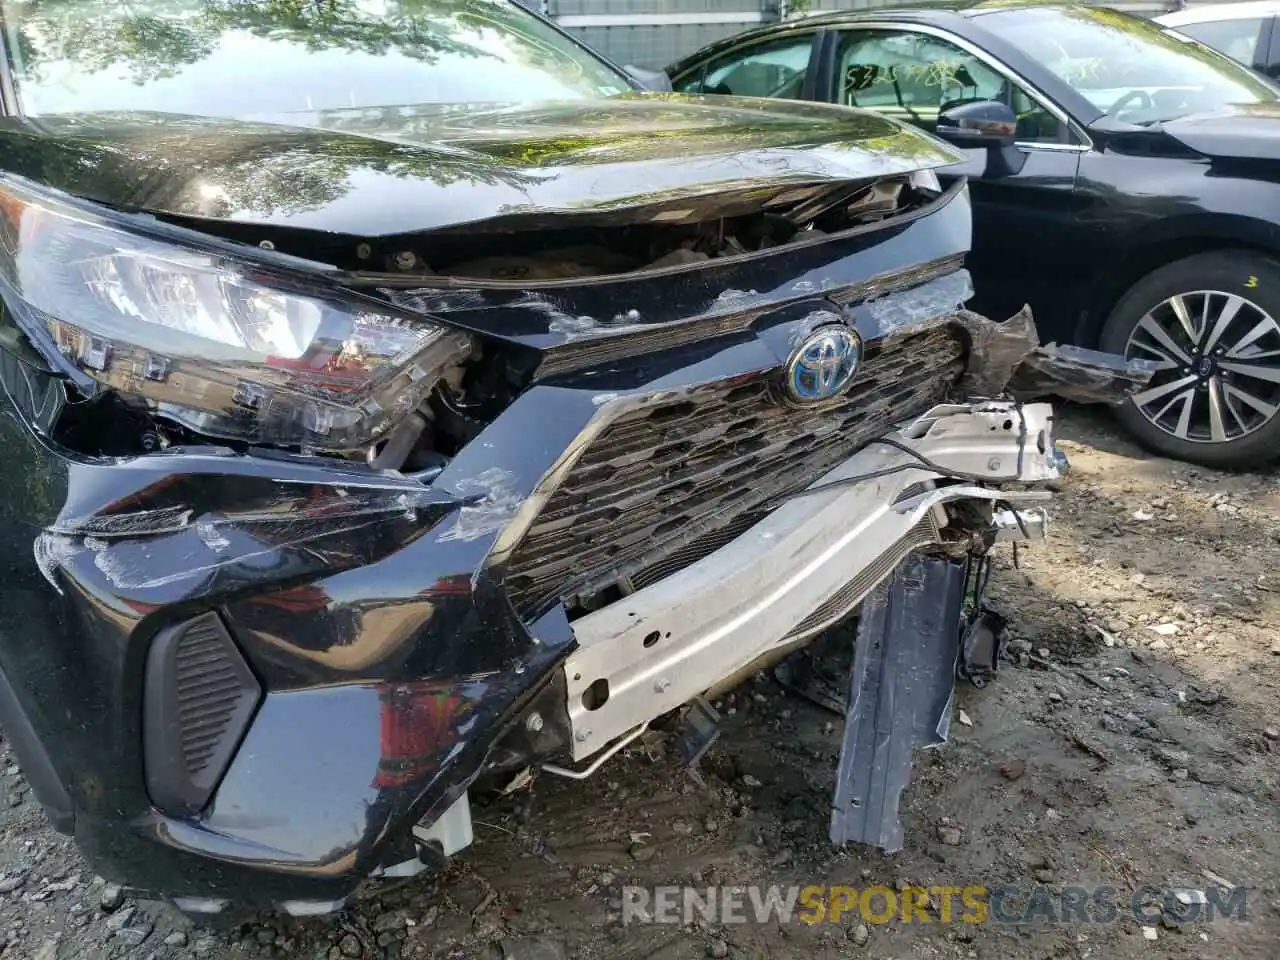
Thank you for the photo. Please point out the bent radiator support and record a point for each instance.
(901, 692)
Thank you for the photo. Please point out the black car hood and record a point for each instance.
(1248, 132)
(385, 171)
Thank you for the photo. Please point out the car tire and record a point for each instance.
(1234, 420)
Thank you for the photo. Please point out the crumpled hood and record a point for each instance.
(385, 171)
(1248, 131)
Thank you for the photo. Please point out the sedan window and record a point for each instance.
(240, 58)
(776, 68)
(912, 76)
(1238, 39)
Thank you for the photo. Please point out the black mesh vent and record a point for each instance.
(199, 700)
(669, 483)
(209, 690)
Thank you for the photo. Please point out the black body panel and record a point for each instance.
(392, 171)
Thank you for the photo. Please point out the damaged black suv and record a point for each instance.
(398, 397)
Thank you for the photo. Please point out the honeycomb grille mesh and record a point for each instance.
(670, 482)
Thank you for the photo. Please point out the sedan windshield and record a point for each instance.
(243, 58)
(1131, 69)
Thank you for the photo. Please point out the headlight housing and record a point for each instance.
(229, 348)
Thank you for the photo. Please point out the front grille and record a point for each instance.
(671, 482)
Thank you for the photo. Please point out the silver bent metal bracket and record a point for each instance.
(815, 554)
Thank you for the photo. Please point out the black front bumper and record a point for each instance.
(366, 653)
(373, 663)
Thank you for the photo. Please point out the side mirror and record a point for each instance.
(977, 123)
(655, 80)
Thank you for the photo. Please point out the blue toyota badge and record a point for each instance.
(823, 364)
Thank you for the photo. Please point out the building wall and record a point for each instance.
(654, 33)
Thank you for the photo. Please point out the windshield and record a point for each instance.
(1131, 69)
(245, 58)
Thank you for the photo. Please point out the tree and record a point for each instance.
(152, 39)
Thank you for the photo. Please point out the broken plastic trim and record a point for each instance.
(1007, 358)
(995, 351)
(285, 514)
(901, 690)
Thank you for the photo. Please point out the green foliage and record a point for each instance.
(156, 38)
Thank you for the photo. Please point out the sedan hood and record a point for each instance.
(1248, 132)
(386, 171)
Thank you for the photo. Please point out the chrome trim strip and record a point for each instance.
(1029, 146)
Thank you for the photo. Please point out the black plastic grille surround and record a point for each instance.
(200, 697)
(669, 483)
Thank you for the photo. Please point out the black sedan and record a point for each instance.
(1125, 180)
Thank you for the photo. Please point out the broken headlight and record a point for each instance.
(228, 348)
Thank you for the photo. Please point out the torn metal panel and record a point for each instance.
(1080, 374)
(901, 689)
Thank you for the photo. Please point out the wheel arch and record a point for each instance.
(1166, 242)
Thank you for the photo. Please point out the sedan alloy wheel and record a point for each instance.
(1218, 377)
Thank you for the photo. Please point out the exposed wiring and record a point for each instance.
(977, 579)
(957, 474)
(920, 460)
(842, 482)
(1022, 526)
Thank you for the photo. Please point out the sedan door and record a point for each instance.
(1024, 244)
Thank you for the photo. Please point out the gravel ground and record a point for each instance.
(1107, 753)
